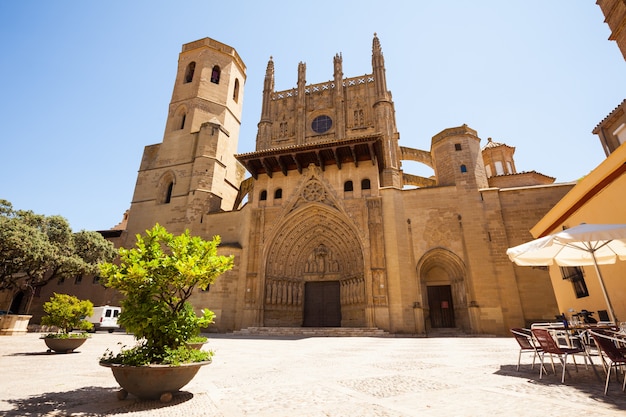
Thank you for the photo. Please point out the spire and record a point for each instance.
(378, 68)
(338, 66)
(301, 104)
(268, 89)
(301, 75)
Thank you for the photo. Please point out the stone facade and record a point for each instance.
(329, 230)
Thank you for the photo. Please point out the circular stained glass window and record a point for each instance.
(321, 124)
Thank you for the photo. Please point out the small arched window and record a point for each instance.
(236, 91)
(168, 193)
(191, 68)
(347, 186)
(182, 121)
(278, 193)
(263, 195)
(365, 184)
(463, 168)
(215, 75)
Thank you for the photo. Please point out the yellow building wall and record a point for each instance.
(597, 198)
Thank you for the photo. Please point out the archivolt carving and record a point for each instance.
(303, 233)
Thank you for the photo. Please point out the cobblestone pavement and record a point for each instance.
(310, 377)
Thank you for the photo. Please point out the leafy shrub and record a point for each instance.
(157, 277)
(67, 313)
(141, 355)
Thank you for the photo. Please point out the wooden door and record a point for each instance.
(322, 305)
(440, 305)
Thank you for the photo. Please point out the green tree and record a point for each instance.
(35, 249)
(67, 313)
(157, 277)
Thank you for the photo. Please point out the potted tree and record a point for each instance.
(66, 313)
(156, 278)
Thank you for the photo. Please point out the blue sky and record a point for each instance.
(85, 85)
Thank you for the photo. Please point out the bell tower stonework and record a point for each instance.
(193, 172)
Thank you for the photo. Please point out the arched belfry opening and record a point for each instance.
(314, 273)
(442, 281)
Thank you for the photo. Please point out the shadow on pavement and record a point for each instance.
(88, 401)
(589, 381)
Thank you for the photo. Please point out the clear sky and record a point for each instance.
(85, 85)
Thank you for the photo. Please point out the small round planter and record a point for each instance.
(63, 345)
(153, 382)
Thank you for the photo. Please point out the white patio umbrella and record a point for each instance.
(583, 245)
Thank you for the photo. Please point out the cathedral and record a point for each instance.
(326, 228)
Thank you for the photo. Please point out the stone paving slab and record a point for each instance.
(310, 377)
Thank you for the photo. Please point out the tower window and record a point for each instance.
(263, 195)
(463, 168)
(191, 68)
(215, 75)
(182, 121)
(347, 186)
(499, 168)
(168, 193)
(278, 193)
(236, 90)
(457, 147)
(365, 184)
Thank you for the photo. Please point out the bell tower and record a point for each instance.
(193, 171)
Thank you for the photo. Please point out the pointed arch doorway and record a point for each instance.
(442, 278)
(314, 272)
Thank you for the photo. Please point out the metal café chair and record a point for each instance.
(527, 344)
(611, 354)
(548, 345)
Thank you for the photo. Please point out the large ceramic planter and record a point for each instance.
(14, 324)
(63, 345)
(153, 382)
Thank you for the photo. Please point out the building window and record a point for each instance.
(60, 280)
(78, 279)
(365, 184)
(96, 279)
(488, 169)
(499, 168)
(620, 133)
(236, 91)
(321, 124)
(263, 195)
(178, 120)
(215, 75)
(191, 68)
(457, 147)
(576, 277)
(463, 168)
(168, 193)
(359, 119)
(278, 193)
(347, 186)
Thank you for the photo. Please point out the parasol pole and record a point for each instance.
(606, 296)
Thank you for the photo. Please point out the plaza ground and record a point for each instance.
(310, 377)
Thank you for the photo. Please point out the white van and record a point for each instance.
(105, 318)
